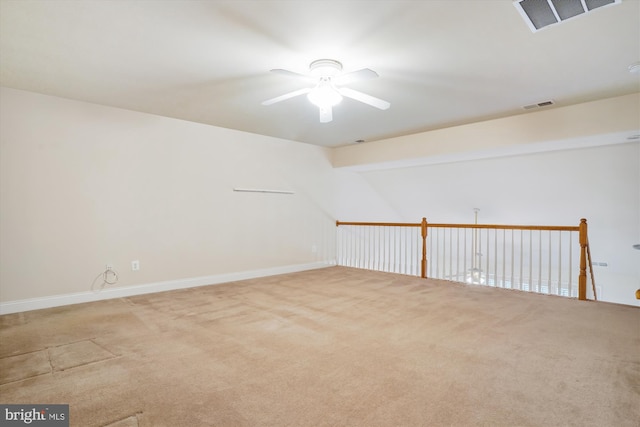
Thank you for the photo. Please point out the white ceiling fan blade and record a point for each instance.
(363, 97)
(354, 76)
(294, 74)
(287, 96)
(326, 114)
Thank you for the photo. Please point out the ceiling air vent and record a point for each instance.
(541, 13)
(538, 105)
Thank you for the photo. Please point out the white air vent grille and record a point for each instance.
(542, 13)
(539, 105)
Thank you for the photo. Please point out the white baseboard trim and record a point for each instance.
(19, 306)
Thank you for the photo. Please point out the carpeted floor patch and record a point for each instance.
(131, 421)
(23, 366)
(76, 354)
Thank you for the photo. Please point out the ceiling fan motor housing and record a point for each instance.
(325, 67)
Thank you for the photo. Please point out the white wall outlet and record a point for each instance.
(135, 265)
(314, 249)
(108, 267)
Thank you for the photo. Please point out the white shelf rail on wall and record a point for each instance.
(542, 259)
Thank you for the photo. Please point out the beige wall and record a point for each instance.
(574, 126)
(83, 186)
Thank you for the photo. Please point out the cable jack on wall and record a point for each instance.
(109, 277)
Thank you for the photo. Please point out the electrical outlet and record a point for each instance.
(135, 265)
(108, 267)
(314, 249)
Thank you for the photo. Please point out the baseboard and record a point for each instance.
(148, 288)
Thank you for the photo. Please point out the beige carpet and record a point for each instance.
(330, 347)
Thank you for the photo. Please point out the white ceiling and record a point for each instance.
(441, 63)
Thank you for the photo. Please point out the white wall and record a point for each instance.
(83, 185)
(601, 184)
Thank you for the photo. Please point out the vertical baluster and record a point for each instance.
(391, 248)
(347, 247)
(559, 262)
(531, 261)
(417, 251)
(352, 244)
(409, 250)
(504, 256)
(486, 276)
(380, 262)
(540, 262)
(495, 258)
(357, 243)
(550, 290)
(407, 246)
(370, 249)
(358, 248)
(401, 250)
(432, 256)
(521, 253)
(397, 250)
(363, 247)
(340, 241)
(381, 248)
(458, 254)
(352, 247)
(392, 262)
(340, 251)
(450, 253)
(387, 266)
(464, 270)
(374, 247)
(570, 263)
(349, 240)
(512, 258)
(387, 245)
(438, 253)
(414, 252)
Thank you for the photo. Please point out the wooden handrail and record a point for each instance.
(509, 227)
(491, 226)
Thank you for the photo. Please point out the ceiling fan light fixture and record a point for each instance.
(324, 95)
(329, 87)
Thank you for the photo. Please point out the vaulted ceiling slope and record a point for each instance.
(440, 63)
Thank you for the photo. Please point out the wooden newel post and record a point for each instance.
(423, 264)
(582, 278)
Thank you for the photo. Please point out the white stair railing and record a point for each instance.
(542, 259)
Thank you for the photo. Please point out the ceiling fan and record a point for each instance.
(327, 77)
